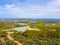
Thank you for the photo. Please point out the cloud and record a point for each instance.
(9, 6)
(31, 9)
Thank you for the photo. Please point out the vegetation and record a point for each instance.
(48, 33)
(42, 37)
(8, 25)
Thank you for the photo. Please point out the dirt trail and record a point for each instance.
(10, 38)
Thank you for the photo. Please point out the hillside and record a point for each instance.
(48, 33)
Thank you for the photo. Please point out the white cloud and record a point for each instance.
(9, 5)
(31, 11)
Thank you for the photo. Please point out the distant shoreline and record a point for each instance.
(33, 19)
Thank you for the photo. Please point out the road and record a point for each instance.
(10, 38)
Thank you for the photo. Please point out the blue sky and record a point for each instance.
(30, 9)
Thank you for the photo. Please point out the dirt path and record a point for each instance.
(10, 38)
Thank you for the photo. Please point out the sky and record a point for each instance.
(30, 9)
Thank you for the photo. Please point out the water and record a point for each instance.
(20, 28)
(24, 28)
